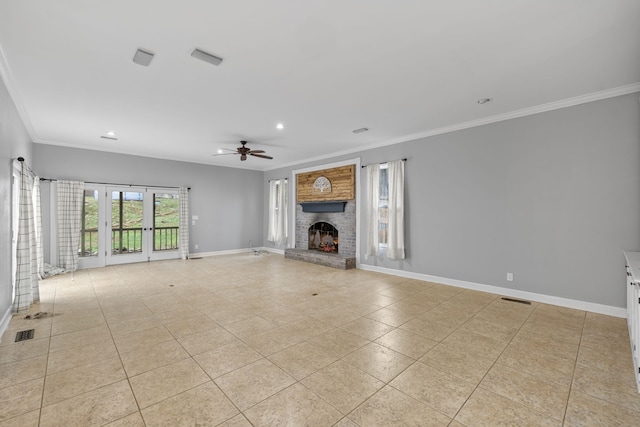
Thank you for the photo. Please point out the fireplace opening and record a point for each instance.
(323, 237)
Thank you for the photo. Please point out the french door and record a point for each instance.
(128, 224)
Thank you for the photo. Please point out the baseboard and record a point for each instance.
(232, 252)
(4, 322)
(531, 296)
(273, 250)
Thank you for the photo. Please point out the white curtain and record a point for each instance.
(273, 200)
(281, 236)
(277, 231)
(70, 201)
(183, 243)
(395, 236)
(371, 209)
(26, 279)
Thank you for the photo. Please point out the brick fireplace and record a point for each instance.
(325, 229)
(344, 224)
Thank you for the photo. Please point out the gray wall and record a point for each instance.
(227, 201)
(553, 198)
(14, 142)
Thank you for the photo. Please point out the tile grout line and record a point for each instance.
(116, 347)
(497, 358)
(46, 366)
(575, 364)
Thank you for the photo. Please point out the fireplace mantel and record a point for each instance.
(319, 207)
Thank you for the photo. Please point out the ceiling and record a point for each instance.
(403, 69)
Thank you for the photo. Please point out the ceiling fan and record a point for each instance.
(243, 151)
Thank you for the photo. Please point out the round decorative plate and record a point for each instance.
(322, 185)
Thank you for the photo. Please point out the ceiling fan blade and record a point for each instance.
(224, 154)
(257, 151)
(261, 155)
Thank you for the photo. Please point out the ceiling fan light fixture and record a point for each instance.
(143, 57)
(206, 57)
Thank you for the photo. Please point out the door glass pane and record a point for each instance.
(126, 222)
(166, 221)
(89, 232)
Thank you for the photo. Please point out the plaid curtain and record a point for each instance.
(37, 212)
(70, 201)
(183, 243)
(26, 279)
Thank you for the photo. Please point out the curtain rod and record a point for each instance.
(21, 160)
(119, 185)
(382, 163)
(277, 179)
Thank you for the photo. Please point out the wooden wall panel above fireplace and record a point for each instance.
(338, 185)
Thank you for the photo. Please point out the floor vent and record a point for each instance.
(25, 335)
(520, 301)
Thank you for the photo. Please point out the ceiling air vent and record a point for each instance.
(143, 57)
(206, 57)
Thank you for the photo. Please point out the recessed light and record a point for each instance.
(484, 100)
(360, 130)
(220, 151)
(280, 126)
(109, 135)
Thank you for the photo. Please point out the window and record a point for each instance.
(385, 210)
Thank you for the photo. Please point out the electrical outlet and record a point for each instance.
(509, 277)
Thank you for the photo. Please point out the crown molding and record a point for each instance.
(14, 93)
(543, 108)
(529, 111)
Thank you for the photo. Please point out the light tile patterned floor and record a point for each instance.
(248, 340)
